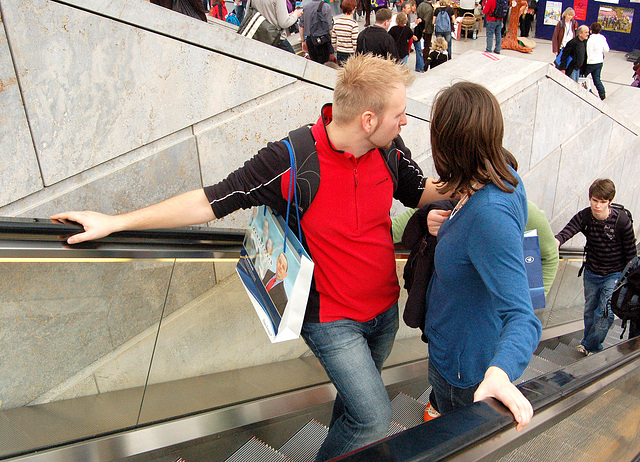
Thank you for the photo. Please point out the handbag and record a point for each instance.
(277, 281)
(256, 26)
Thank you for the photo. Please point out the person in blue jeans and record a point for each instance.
(494, 27)
(479, 322)
(597, 46)
(445, 29)
(611, 244)
(351, 315)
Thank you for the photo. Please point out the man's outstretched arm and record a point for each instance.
(186, 209)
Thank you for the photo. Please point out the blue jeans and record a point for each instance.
(352, 354)
(595, 70)
(597, 293)
(494, 28)
(575, 75)
(419, 58)
(447, 37)
(447, 397)
(285, 45)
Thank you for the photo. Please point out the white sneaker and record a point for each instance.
(583, 350)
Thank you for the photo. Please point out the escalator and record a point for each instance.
(568, 391)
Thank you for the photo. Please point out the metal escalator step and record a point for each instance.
(528, 374)
(304, 445)
(569, 351)
(541, 365)
(556, 357)
(255, 450)
(407, 411)
(424, 397)
(395, 428)
(574, 342)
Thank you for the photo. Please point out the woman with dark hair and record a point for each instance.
(480, 322)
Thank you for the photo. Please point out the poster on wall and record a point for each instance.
(580, 7)
(552, 13)
(616, 18)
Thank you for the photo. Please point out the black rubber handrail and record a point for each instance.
(451, 434)
(30, 228)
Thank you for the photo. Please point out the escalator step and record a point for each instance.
(528, 374)
(424, 397)
(574, 342)
(555, 357)
(394, 429)
(304, 445)
(541, 365)
(569, 351)
(254, 450)
(407, 411)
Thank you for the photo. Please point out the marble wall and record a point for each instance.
(118, 104)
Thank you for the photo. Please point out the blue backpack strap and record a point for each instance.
(307, 166)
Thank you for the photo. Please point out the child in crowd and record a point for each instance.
(438, 55)
(403, 36)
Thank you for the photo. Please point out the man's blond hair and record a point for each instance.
(364, 85)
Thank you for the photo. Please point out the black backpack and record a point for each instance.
(625, 300)
(308, 168)
(319, 29)
(501, 9)
(618, 227)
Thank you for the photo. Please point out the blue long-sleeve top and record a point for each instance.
(479, 311)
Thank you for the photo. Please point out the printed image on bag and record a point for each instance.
(276, 277)
(533, 265)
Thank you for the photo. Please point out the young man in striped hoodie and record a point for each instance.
(611, 244)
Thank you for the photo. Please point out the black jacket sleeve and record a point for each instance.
(572, 228)
(411, 181)
(257, 182)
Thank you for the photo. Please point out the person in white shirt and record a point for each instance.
(597, 46)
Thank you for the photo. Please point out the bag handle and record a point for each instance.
(292, 182)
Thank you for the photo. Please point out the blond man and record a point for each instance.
(352, 313)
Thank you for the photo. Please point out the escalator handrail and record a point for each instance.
(450, 434)
(41, 238)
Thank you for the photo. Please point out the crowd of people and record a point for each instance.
(579, 53)
(403, 26)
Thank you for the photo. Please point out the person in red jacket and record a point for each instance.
(494, 27)
(218, 10)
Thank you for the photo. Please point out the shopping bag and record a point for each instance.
(533, 264)
(277, 278)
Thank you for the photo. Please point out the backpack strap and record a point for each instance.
(621, 223)
(307, 166)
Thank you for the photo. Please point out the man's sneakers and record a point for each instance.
(430, 413)
(583, 350)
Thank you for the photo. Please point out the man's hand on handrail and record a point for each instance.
(190, 208)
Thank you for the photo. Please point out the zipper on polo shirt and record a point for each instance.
(355, 197)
